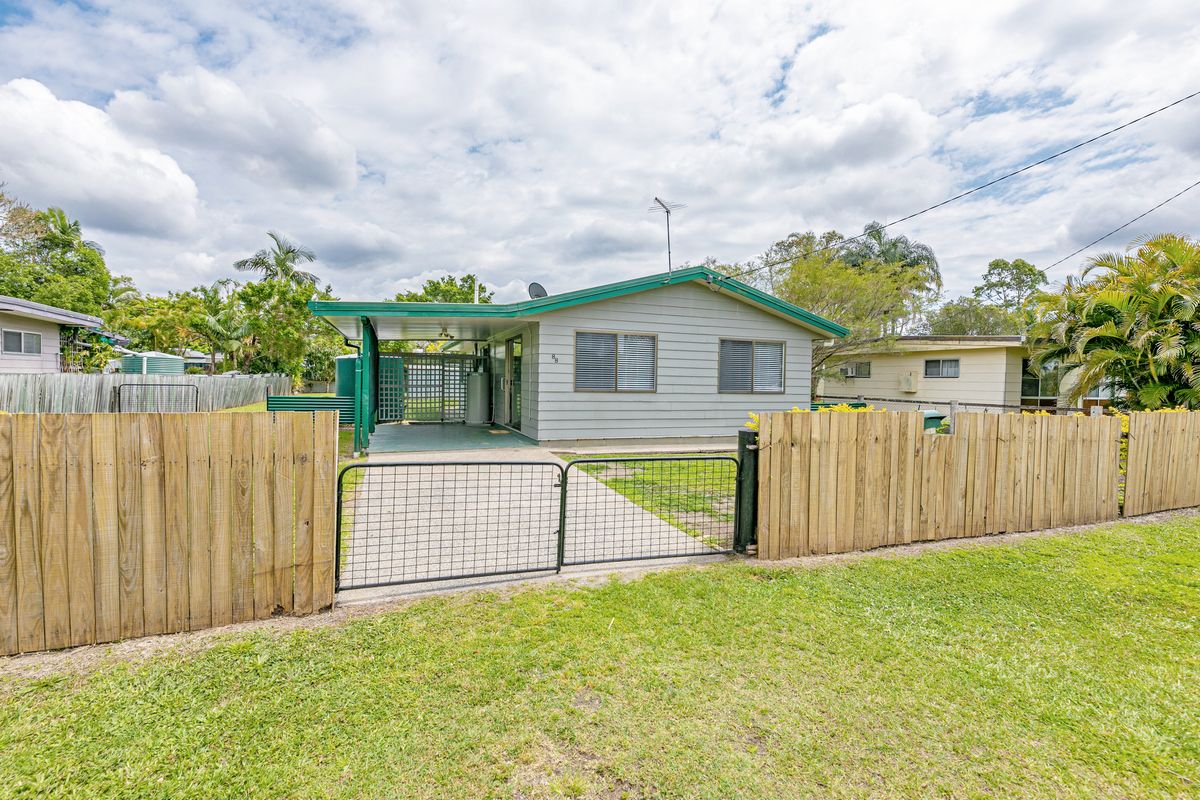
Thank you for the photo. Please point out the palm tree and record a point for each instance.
(225, 330)
(1133, 319)
(280, 262)
(64, 232)
(897, 252)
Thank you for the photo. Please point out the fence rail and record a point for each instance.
(916, 404)
(90, 394)
(833, 483)
(122, 525)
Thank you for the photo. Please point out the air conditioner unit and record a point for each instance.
(908, 381)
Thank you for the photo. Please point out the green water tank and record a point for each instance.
(343, 385)
(151, 363)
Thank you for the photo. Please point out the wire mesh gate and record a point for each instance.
(154, 398)
(414, 522)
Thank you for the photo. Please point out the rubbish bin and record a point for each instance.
(933, 419)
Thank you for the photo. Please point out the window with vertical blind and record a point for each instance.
(616, 362)
(749, 366)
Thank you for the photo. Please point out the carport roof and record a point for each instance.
(467, 321)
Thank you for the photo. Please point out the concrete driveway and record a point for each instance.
(444, 515)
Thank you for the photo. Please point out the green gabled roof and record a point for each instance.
(525, 308)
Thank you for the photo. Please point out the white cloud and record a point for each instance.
(524, 142)
(270, 137)
(70, 154)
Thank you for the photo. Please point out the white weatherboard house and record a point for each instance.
(679, 356)
(974, 370)
(32, 335)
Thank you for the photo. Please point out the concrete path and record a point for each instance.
(442, 515)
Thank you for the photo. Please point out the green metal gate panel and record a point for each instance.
(424, 387)
(391, 388)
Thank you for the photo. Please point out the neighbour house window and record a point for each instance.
(747, 366)
(941, 368)
(616, 362)
(23, 342)
(856, 369)
(1043, 387)
(1040, 387)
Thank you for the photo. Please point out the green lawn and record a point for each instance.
(1056, 667)
(694, 495)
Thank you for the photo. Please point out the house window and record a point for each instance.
(23, 342)
(856, 369)
(616, 362)
(941, 368)
(1039, 387)
(747, 366)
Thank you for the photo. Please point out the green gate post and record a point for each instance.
(746, 506)
(360, 440)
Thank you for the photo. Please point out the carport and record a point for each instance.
(414, 367)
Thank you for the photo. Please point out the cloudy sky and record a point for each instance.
(525, 142)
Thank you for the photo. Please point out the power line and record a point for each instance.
(989, 184)
(1123, 227)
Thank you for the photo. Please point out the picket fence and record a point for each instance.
(121, 525)
(69, 393)
(833, 483)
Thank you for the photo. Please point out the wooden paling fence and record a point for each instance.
(70, 393)
(833, 483)
(1163, 470)
(122, 525)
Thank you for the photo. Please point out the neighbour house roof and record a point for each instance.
(479, 321)
(906, 344)
(32, 310)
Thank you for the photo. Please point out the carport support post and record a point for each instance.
(746, 505)
(365, 380)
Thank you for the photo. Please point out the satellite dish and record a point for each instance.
(536, 290)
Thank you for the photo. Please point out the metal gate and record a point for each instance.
(425, 521)
(155, 398)
(425, 387)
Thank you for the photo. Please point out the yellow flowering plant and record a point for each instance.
(840, 408)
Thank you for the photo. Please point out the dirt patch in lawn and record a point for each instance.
(548, 769)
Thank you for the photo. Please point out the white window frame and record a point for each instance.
(940, 362)
(20, 352)
(616, 362)
(782, 366)
(851, 369)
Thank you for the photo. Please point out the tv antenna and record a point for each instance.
(660, 206)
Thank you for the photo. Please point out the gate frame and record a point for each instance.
(737, 501)
(363, 465)
(560, 534)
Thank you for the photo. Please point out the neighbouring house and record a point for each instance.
(32, 335)
(194, 359)
(673, 357)
(982, 370)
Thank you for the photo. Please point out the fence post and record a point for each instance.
(562, 517)
(953, 414)
(1097, 411)
(746, 502)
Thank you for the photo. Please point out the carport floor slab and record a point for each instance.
(398, 437)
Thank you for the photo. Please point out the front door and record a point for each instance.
(512, 381)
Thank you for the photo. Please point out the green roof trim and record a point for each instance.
(524, 308)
